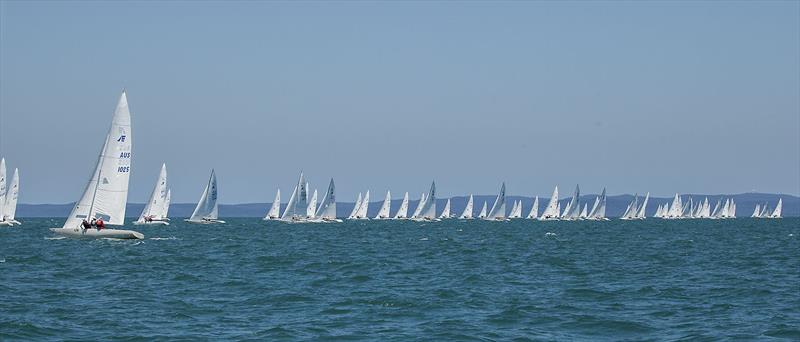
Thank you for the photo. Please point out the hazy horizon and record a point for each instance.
(635, 97)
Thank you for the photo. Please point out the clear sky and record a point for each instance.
(666, 97)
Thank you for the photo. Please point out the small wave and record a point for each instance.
(550, 234)
(2, 260)
(163, 238)
(55, 238)
(423, 239)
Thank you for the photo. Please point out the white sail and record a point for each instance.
(446, 211)
(534, 209)
(641, 211)
(275, 209)
(419, 206)
(327, 208)
(675, 210)
(383, 213)
(356, 206)
(3, 189)
(312, 206)
(106, 193)
(403, 211)
(363, 208)
(290, 205)
(598, 211)
(467, 214)
(551, 211)
(207, 206)
(428, 211)
(11, 196)
(167, 201)
(483, 214)
(516, 210)
(498, 211)
(154, 209)
(558, 210)
(757, 211)
(732, 209)
(573, 209)
(778, 212)
(658, 211)
(584, 212)
(297, 206)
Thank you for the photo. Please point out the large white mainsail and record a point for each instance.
(419, 206)
(778, 209)
(383, 213)
(551, 211)
(402, 213)
(756, 211)
(483, 212)
(428, 211)
(361, 214)
(600, 212)
(296, 208)
(446, 211)
(106, 193)
(207, 210)
(9, 210)
(676, 209)
(534, 209)
(573, 209)
(327, 209)
(311, 209)
(467, 214)
(641, 211)
(154, 209)
(274, 212)
(356, 206)
(498, 211)
(516, 210)
(584, 212)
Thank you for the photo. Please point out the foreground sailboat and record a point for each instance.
(155, 211)
(467, 214)
(274, 212)
(207, 211)
(106, 194)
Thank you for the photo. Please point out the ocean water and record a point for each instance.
(407, 281)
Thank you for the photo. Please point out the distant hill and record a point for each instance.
(616, 205)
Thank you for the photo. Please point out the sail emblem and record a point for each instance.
(105, 180)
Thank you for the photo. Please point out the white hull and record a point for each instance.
(81, 233)
(271, 218)
(10, 223)
(205, 221)
(422, 219)
(153, 223)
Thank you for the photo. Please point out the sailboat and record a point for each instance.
(361, 214)
(207, 210)
(676, 209)
(297, 208)
(599, 208)
(534, 209)
(573, 208)
(641, 211)
(585, 212)
(3, 190)
(356, 205)
(327, 208)
(402, 213)
(106, 194)
(498, 211)
(383, 213)
(467, 214)
(274, 212)
(9, 208)
(428, 210)
(516, 210)
(311, 209)
(551, 211)
(446, 212)
(419, 206)
(776, 213)
(153, 212)
(756, 211)
(483, 212)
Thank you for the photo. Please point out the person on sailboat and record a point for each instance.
(85, 224)
(99, 224)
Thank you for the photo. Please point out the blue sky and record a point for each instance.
(666, 97)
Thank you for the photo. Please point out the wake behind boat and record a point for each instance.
(106, 194)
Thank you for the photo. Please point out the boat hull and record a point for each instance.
(152, 223)
(205, 221)
(80, 233)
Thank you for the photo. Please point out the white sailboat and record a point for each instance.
(599, 208)
(585, 212)
(516, 210)
(498, 211)
(297, 207)
(3, 190)
(402, 213)
(383, 213)
(551, 211)
(778, 212)
(361, 214)
(419, 206)
(207, 210)
(356, 206)
(106, 194)
(153, 212)
(756, 211)
(467, 214)
(311, 209)
(676, 209)
(327, 209)
(9, 209)
(483, 212)
(167, 201)
(641, 211)
(274, 212)
(428, 210)
(573, 208)
(534, 209)
(446, 211)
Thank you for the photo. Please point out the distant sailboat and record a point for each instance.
(756, 211)
(599, 208)
(402, 213)
(154, 210)
(483, 212)
(3, 190)
(207, 210)
(327, 209)
(356, 206)
(446, 211)
(676, 209)
(383, 213)
(498, 211)
(361, 214)
(585, 212)
(534, 209)
(641, 211)
(106, 194)
(778, 212)
(297, 207)
(552, 210)
(428, 211)
(419, 206)
(573, 208)
(9, 209)
(274, 212)
(467, 214)
(312, 206)
(632, 209)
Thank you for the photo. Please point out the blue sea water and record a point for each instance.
(406, 281)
